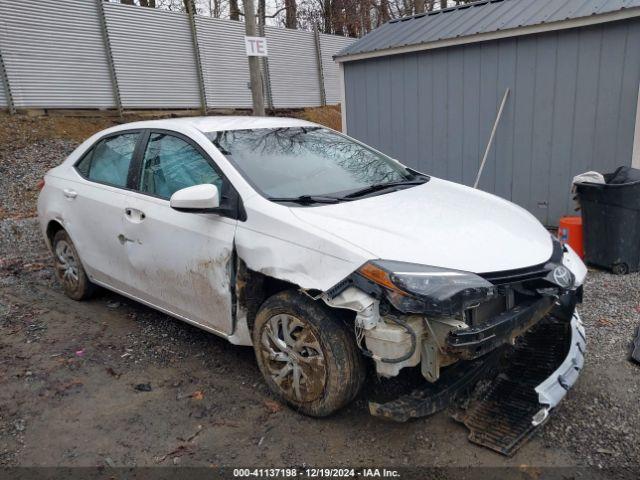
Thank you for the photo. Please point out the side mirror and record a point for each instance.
(199, 198)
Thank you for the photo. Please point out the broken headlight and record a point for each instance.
(424, 289)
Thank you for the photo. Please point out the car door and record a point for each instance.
(93, 217)
(181, 262)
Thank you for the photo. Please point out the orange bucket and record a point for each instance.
(570, 232)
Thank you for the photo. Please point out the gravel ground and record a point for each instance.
(58, 406)
(21, 170)
(601, 418)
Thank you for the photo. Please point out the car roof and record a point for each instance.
(218, 123)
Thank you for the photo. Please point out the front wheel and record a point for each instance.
(307, 355)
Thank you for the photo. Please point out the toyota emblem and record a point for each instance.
(562, 276)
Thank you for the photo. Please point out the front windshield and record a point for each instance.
(299, 161)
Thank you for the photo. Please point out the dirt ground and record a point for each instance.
(110, 382)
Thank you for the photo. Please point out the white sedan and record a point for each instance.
(322, 253)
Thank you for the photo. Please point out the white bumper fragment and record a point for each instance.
(555, 387)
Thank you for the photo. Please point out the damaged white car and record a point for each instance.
(315, 249)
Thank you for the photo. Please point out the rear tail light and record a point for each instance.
(40, 184)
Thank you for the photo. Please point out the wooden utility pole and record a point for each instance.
(255, 72)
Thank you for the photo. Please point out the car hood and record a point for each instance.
(439, 223)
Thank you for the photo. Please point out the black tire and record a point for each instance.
(324, 351)
(68, 268)
(620, 268)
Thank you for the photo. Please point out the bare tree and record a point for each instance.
(291, 14)
(234, 10)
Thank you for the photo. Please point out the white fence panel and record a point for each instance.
(293, 68)
(54, 54)
(330, 45)
(153, 56)
(55, 57)
(224, 63)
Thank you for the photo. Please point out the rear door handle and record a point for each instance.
(70, 194)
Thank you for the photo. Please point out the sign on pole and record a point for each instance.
(256, 46)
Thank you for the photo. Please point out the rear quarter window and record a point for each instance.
(108, 161)
(83, 165)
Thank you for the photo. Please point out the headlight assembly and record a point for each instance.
(426, 289)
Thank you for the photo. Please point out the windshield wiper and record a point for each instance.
(382, 186)
(306, 199)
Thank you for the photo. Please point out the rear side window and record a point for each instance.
(109, 160)
(171, 164)
(83, 165)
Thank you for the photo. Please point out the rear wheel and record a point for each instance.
(306, 354)
(69, 270)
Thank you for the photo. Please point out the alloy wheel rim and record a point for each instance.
(293, 357)
(67, 264)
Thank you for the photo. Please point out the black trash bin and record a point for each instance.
(611, 220)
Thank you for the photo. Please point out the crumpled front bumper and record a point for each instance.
(521, 391)
(555, 387)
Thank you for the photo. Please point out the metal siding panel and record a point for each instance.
(586, 99)
(504, 147)
(354, 76)
(224, 63)
(370, 86)
(630, 83)
(455, 114)
(156, 66)
(425, 109)
(523, 122)
(614, 41)
(386, 120)
(565, 79)
(488, 97)
(471, 116)
(397, 148)
(440, 106)
(543, 124)
(54, 54)
(293, 68)
(411, 99)
(330, 45)
(362, 100)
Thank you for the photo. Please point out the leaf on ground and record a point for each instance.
(272, 406)
(197, 395)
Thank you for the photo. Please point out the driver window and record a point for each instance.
(171, 164)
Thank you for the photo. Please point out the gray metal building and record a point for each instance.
(426, 90)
